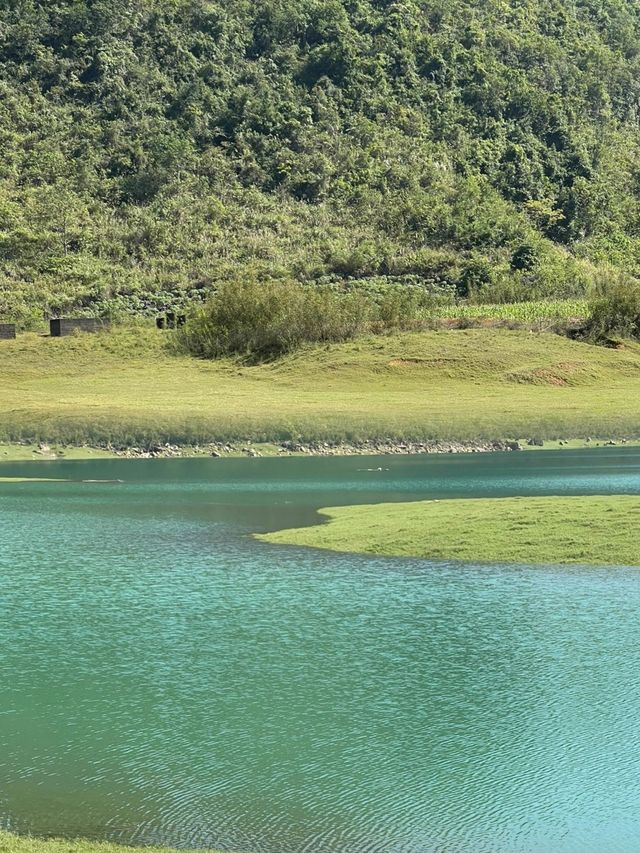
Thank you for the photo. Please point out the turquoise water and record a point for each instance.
(164, 678)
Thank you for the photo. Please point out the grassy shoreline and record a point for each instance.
(126, 388)
(591, 530)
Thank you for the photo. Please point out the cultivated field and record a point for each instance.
(527, 313)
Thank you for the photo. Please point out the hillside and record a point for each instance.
(127, 387)
(153, 147)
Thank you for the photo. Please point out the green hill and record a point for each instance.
(150, 148)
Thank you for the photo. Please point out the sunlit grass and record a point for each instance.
(127, 387)
(527, 313)
(582, 530)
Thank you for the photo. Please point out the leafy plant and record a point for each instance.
(264, 319)
(615, 307)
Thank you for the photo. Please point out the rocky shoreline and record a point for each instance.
(323, 448)
(251, 449)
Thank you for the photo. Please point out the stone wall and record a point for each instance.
(65, 326)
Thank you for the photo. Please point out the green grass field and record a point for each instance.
(583, 530)
(128, 387)
(25, 844)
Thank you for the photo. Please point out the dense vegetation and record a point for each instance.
(154, 148)
(264, 319)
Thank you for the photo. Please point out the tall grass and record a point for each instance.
(267, 319)
(615, 307)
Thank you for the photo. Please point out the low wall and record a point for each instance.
(65, 326)
(7, 331)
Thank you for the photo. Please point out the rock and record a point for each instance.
(513, 445)
(535, 442)
(215, 454)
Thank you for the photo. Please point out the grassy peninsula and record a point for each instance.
(129, 386)
(556, 530)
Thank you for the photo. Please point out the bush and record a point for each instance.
(615, 306)
(402, 308)
(476, 274)
(266, 319)
(525, 257)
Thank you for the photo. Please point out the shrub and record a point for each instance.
(266, 319)
(476, 274)
(525, 257)
(406, 307)
(615, 306)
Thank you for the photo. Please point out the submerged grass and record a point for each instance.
(31, 480)
(555, 530)
(128, 387)
(10, 843)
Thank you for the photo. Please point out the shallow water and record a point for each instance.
(164, 678)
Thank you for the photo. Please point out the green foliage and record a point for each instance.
(615, 307)
(525, 257)
(266, 319)
(534, 314)
(153, 150)
(403, 308)
(263, 319)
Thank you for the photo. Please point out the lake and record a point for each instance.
(166, 679)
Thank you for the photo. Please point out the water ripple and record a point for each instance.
(165, 679)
